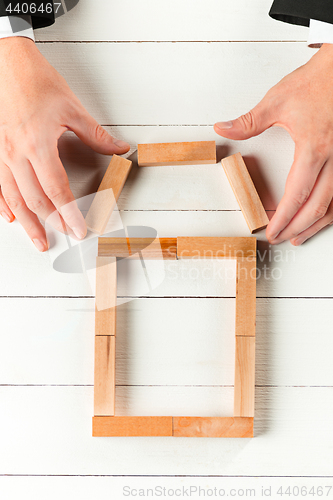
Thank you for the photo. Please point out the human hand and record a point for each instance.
(301, 103)
(36, 108)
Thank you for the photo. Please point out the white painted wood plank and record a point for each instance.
(291, 434)
(87, 487)
(165, 342)
(284, 270)
(200, 187)
(174, 20)
(134, 83)
(159, 342)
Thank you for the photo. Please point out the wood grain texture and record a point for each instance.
(177, 153)
(244, 377)
(132, 426)
(108, 193)
(106, 296)
(215, 248)
(136, 248)
(213, 427)
(245, 192)
(246, 297)
(104, 380)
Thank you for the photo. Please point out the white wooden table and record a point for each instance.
(156, 71)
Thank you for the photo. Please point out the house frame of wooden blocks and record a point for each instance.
(105, 422)
(243, 249)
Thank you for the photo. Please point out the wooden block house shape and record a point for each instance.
(240, 424)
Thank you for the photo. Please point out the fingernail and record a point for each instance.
(39, 245)
(79, 233)
(273, 236)
(6, 216)
(224, 125)
(121, 144)
(298, 241)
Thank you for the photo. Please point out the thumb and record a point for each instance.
(252, 123)
(94, 135)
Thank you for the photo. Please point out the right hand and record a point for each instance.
(36, 108)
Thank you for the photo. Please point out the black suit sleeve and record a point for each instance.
(39, 19)
(301, 11)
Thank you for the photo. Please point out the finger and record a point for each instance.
(314, 209)
(94, 135)
(300, 182)
(54, 182)
(25, 217)
(34, 196)
(253, 123)
(5, 211)
(315, 228)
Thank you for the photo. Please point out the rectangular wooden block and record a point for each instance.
(132, 426)
(246, 297)
(106, 296)
(177, 153)
(108, 193)
(104, 388)
(244, 377)
(213, 427)
(245, 192)
(149, 248)
(222, 248)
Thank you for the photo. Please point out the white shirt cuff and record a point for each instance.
(320, 33)
(16, 26)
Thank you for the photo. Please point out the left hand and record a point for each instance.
(301, 103)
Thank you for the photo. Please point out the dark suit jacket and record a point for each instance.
(301, 11)
(39, 20)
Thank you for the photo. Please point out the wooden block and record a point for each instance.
(132, 426)
(108, 193)
(212, 427)
(207, 247)
(245, 192)
(244, 377)
(148, 247)
(246, 297)
(176, 153)
(106, 296)
(104, 388)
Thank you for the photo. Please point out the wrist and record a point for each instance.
(13, 43)
(324, 55)
(326, 49)
(17, 52)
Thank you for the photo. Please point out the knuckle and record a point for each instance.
(300, 198)
(8, 148)
(320, 211)
(55, 192)
(35, 205)
(31, 147)
(14, 203)
(100, 134)
(248, 121)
